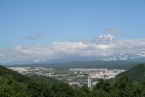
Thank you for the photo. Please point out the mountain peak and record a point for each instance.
(105, 37)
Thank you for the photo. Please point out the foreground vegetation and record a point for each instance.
(13, 84)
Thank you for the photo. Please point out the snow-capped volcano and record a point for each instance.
(105, 37)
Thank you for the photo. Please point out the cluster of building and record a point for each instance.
(95, 74)
(98, 73)
(72, 76)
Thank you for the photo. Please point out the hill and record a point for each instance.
(13, 75)
(13, 84)
(135, 73)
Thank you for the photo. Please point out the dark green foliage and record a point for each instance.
(135, 73)
(43, 79)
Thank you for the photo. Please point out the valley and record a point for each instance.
(72, 76)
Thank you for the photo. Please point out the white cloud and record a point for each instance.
(116, 49)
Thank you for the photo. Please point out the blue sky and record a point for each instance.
(68, 20)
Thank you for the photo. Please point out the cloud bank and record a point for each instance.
(112, 50)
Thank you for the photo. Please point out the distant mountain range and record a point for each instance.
(85, 64)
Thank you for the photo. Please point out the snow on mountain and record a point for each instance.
(105, 37)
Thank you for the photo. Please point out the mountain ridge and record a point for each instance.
(84, 64)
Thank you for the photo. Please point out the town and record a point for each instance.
(72, 76)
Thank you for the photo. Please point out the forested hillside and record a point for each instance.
(13, 84)
(135, 73)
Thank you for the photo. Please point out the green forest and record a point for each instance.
(128, 84)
